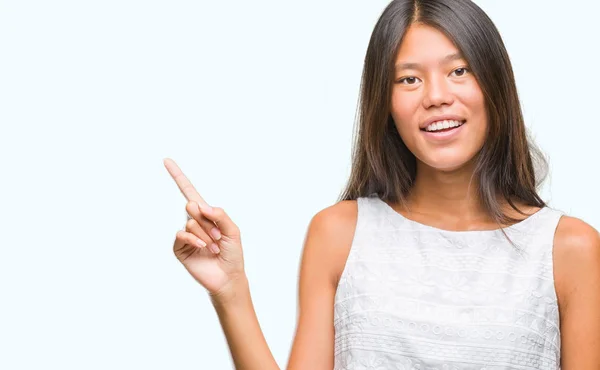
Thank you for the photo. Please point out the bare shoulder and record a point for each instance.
(337, 217)
(577, 281)
(326, 248)
(576, 237)
(334, 226)
(576, 256)
(574, 231)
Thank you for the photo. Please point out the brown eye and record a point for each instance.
(408, 80)
(459, 72)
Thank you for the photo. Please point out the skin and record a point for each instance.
(432, 86)
(441, 198)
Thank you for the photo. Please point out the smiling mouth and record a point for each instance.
(443, 126)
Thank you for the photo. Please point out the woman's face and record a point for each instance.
(434, 85)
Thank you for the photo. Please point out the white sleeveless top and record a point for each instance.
(413, 296)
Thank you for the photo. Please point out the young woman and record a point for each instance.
(440, 253)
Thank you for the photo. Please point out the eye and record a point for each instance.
(408, 80)
(459, 72)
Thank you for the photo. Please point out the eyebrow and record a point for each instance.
(446, 59)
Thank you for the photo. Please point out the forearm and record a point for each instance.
(246, 341)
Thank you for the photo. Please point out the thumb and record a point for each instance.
(222, 220)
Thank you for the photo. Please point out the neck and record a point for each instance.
(446, 194)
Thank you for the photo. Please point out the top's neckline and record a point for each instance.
(514, 226)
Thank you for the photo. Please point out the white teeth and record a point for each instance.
(440, 125)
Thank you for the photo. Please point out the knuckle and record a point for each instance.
(189, 207)
(190, 224)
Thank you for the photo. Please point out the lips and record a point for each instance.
(443, 125)
(443, 136)
(446, 117)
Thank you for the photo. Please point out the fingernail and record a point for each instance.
(201, 243)
(215, 233)
(215, 248)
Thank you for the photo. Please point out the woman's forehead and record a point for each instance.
(424, 45)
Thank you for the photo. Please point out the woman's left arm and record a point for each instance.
(577, 279)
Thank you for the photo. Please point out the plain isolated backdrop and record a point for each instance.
(255, 100)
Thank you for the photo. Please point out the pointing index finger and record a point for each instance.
(186, 187)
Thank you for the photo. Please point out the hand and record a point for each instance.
(215, 269)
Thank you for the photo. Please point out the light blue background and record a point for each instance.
(256, 102)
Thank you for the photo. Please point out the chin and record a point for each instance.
(448, 163)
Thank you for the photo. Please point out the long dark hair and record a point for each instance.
(381, 162)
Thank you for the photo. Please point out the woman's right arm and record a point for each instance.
(221, 271)
(326, 248)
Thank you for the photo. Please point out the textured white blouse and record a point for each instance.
(412, 296)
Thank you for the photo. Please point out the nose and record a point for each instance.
(437, 93)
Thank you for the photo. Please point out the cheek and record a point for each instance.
(473, 99)
(404, 107)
